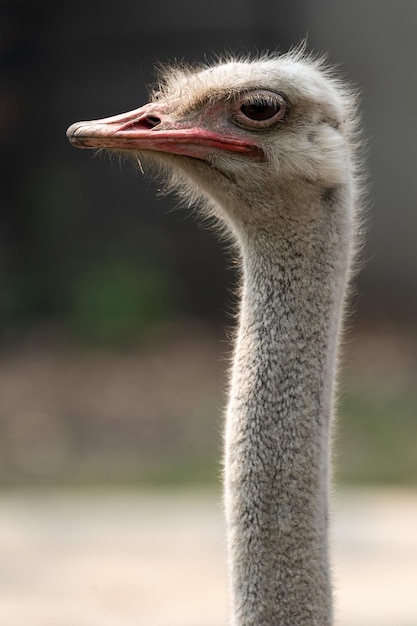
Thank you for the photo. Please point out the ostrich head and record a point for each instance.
(239, 132)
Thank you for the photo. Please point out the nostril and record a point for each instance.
(145, 122)
(152, 120)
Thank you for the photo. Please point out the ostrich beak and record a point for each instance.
(151, 127)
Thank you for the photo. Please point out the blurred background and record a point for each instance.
(115, 303)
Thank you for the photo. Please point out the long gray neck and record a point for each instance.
(278, 420)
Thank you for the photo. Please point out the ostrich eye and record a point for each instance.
(260, 109)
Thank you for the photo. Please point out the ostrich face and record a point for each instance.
(275, 119)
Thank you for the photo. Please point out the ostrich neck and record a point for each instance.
(278, 421)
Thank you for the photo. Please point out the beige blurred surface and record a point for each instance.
(109, 558)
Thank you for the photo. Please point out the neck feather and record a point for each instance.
(279, 417)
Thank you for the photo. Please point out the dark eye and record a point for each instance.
(260, 109)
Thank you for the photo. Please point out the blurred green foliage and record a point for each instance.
(112, 301)
(83, 275)
(377, 436)
(107, 301)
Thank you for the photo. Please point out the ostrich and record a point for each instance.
(267, 146)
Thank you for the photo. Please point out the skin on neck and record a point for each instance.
(279, 417)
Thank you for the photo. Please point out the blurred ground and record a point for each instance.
(97, 414)
(152, 412)
(87, 433)
(157, 559)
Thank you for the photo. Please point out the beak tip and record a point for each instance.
(71, 132)
(75, 135)
(72, 129)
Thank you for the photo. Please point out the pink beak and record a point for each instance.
(152, 128)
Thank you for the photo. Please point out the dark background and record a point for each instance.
(63, 210)
(91, 261)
